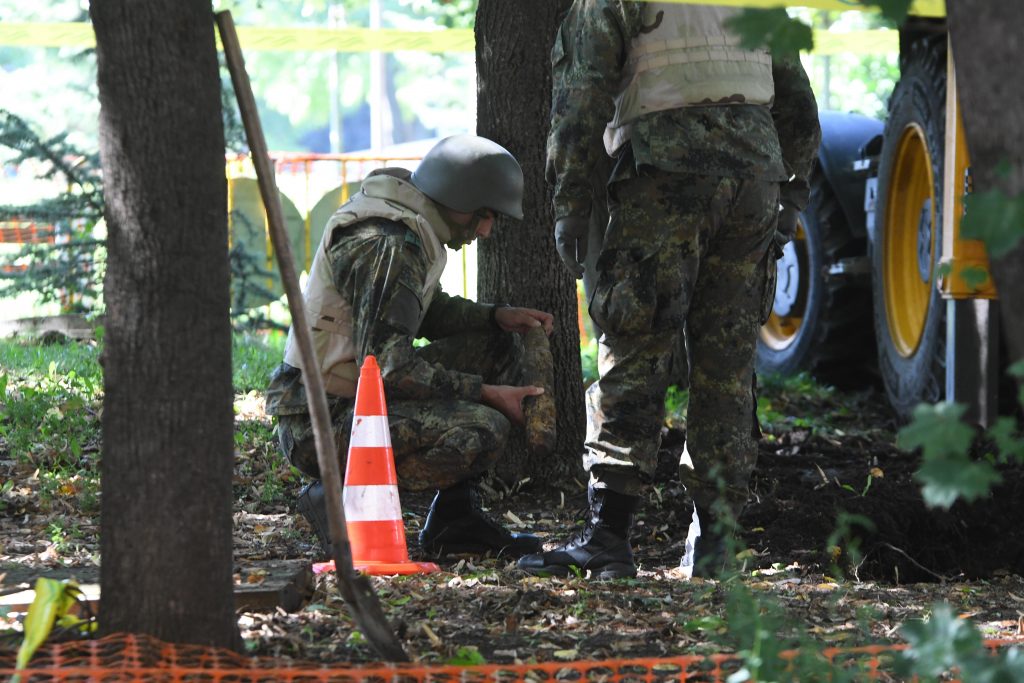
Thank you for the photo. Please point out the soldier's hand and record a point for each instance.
(508, 400)
(571, 242)
(785, 230)
(522, 320)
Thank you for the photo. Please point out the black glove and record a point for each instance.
(785, 229)
(571, 242)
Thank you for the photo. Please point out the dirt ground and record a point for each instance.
(841, 589)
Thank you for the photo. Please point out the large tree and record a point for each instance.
(987, 50)
(166, 542)
(519, 265)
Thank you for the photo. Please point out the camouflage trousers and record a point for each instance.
(438, 442)
(682, 253)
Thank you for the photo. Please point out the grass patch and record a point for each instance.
(51, 400)
(253, 358)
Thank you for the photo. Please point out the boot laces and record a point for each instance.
(583, 534)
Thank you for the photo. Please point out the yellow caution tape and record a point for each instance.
(921, 8)
(47, 35)
(356, 39)
(81, 35)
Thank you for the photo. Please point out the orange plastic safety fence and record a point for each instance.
(127, 657)
(22, 232)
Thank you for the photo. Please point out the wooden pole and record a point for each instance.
(355, 588)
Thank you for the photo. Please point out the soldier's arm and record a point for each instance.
(382, 275)
(795, 113)
(587, 70)
(448, 315)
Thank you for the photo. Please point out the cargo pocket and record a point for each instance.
(625, 299)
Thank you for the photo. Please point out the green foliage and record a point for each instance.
(974, 276)
(786, 36)
(995, 219)
(70, 271)
(785, 403)
(254, 357)
(588, 359)
(50, 607)
(51, 399)
(774, 646)
(467, 655)
(943, 643)
(772, 28)
(895, 11)
(947, 472)
(49, 416)
(676, 402)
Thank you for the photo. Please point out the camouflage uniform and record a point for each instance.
(440, 431)
(693, 200)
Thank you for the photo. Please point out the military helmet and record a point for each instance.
(468, 173)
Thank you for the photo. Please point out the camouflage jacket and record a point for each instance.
(377, 265)
(742, 141)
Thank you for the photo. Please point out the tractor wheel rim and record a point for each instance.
(909, 241)
(787, 316)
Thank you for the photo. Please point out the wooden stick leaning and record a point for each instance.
(355, 588)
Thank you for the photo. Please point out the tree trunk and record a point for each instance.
(519, 264)
(988, 48)
(167, 421)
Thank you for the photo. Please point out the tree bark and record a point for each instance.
(166, 522)
(519, 264)
(988, 49)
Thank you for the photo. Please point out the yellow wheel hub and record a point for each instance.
(787, 315)
(908, 242)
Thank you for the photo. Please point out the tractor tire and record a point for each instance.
(821, 318)
(906, 245)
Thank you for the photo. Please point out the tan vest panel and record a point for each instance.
(687, 58)
(385, 194)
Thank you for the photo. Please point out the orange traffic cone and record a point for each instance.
(373, 513)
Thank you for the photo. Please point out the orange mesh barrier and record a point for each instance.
(19, 232)
(127, 657)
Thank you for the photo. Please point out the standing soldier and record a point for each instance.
(373, 289)
(713, 146)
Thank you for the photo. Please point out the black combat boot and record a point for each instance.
(313, 506)
(456, 524)
(601, 547)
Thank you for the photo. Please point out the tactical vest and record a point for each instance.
(388, 194)
(685, 57)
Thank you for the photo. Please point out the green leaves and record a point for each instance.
(893, 10)
(467, 655)
(938, 644)
(944, 642)
(774, 29)
(51, 606)
(995, 219)
(937, 431)
(947, 472)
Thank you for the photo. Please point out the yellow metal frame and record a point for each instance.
(240, 166)
(958, 254)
